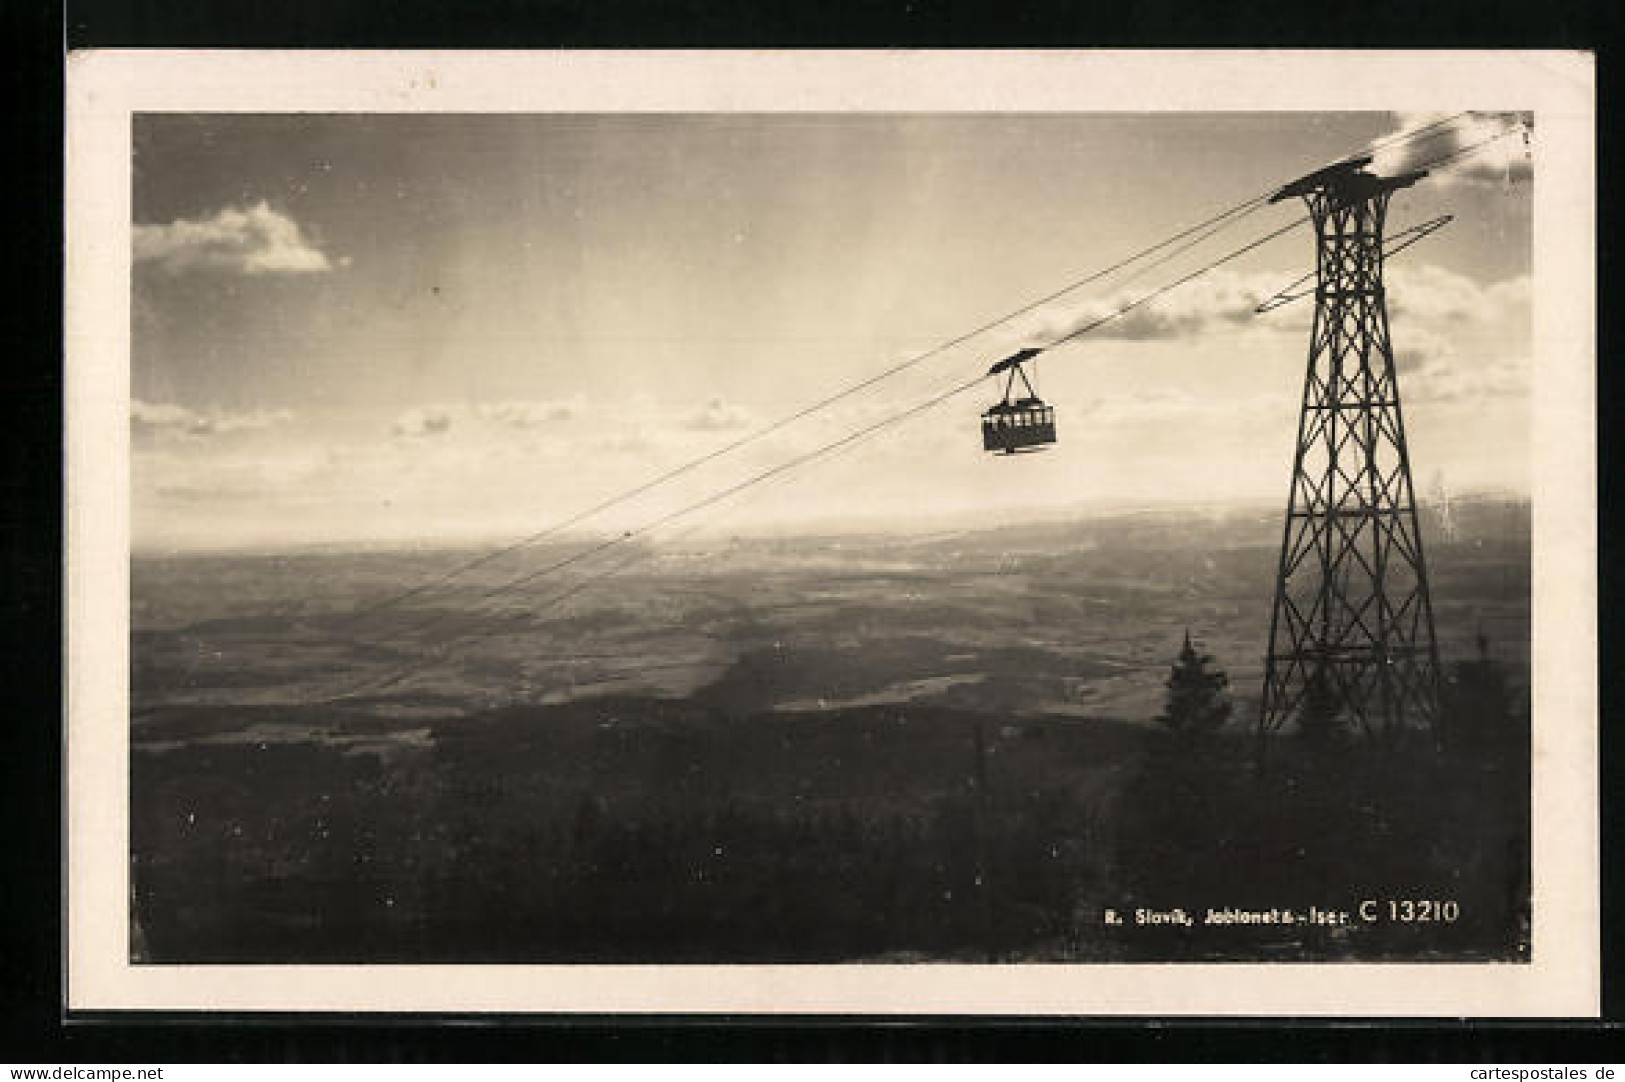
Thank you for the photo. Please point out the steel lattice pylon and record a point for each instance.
(1351, 637)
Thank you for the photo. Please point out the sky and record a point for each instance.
(376, 328)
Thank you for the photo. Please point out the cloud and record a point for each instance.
(422, 422)
(527, 427)
(150, 420)
(718, 415)
(1431, 292)
(624, 443)
(1225, 301)
(250, 422)
(1485, 156)
(1473, 381)
(147, 418)
(1437, 368)
(1419, 349)
(1220, 300)
(255, 240)
(531, 414)
(1165, 406)
(1151, 405)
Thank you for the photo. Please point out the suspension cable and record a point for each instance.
(1212, 224)
(930, 403)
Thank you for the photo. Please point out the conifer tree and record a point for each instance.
(1196, 695)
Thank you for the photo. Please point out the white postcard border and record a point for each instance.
(106, 87)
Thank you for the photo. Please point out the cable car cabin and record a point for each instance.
(1017, 424)
(1024, 425)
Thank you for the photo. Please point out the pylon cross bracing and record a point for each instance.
(1351, 642)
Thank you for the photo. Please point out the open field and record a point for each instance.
(1078, 619)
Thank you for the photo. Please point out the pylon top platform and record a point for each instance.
(1347, 182)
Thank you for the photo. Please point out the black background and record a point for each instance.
(35, 35)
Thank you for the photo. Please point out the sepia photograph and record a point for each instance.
(846, 539)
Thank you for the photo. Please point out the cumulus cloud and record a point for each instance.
(1150, 405)
(625, 443)
(1438, 368)
(1217, 301)
(529, 426)
(1472, 382)
(160, 419)
(1485, 156)
(531, 414)
(422, 422)
(1163, 406)
(1225, 301)
(718, 415)
(1432, 292)
(1419, 349)
(151, 418)
(253, 240)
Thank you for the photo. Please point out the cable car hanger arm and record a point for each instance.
(1396, 243)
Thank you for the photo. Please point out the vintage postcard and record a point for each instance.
(1021, 533)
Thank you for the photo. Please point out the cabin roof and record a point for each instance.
(1014, 359)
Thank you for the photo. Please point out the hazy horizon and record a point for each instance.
(877, 524)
